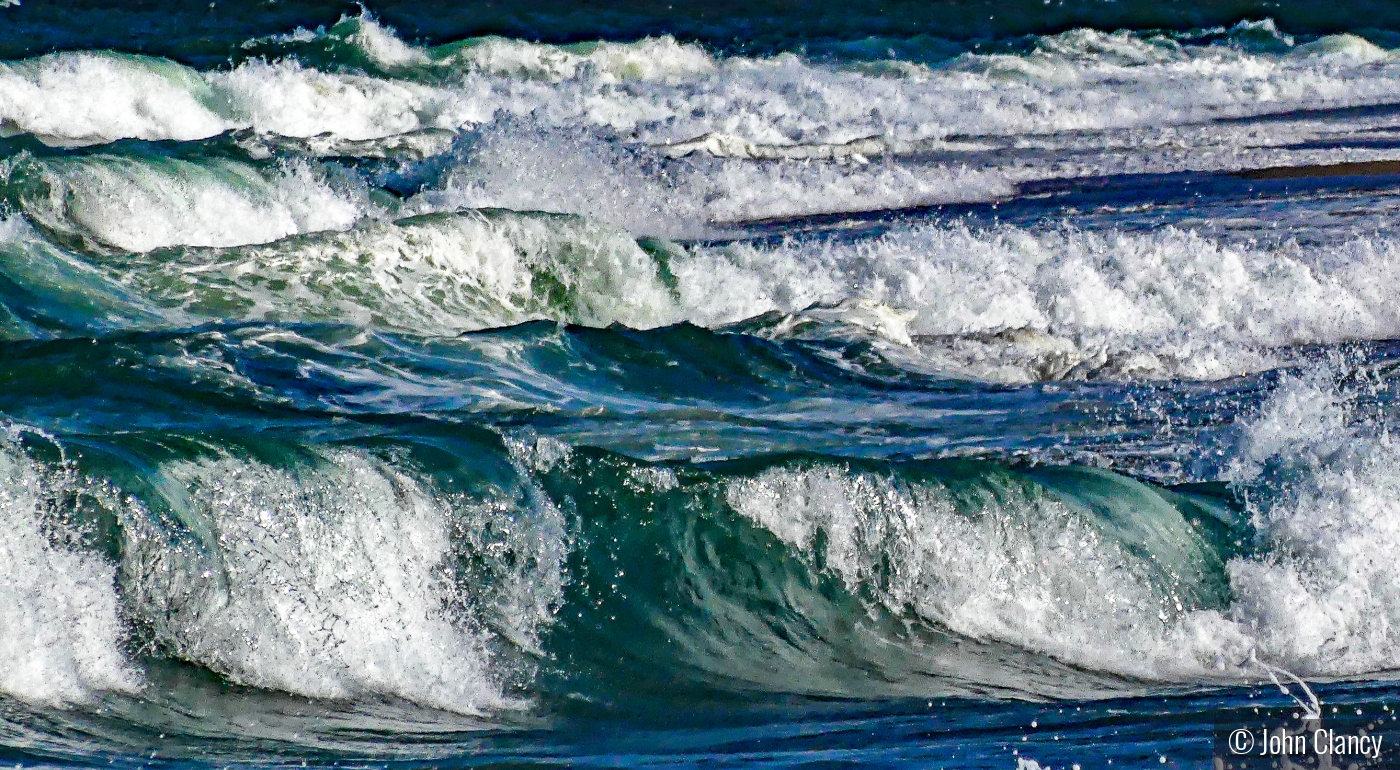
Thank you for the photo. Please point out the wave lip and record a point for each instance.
(1090, 569)
(437, 274)
(434, 274)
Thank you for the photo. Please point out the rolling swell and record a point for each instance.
(248, 532)
(497, 395)
(296, 567)
(1002, 303)
(498, 570)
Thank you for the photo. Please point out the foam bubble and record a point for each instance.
(60, 635)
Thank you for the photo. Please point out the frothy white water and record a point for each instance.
(652, 60)
(1004, 303)
(60, 636)
(1325, 597)
(661, 91)
(437, 274)
(293, 100)
(329, 580)
(1011, 564)
(1320, 597)
(1072, 82)
(92, 98)
(88, 98)
(1013, 304)
(143, 204)
(637, 188)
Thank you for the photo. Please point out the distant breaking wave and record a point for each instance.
(357, 81)
(1004, 304)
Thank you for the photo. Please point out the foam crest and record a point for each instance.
(375, 41)
(290, 99)
(93, 98)
(1010, 561)
(378, 48)
(435, 274)
(1344, 48)
(143, 204)
(1014, 304)
(60, 635)
(653, 60)
(785, 105)
(665, 92)
(1324, 595)
(643, 191)
(89, 98)
(328, 579)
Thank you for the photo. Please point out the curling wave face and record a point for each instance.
(441, 569)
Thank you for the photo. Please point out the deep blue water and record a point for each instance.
(946, 384)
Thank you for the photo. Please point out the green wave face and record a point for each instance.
(503, 573)
(809, 576)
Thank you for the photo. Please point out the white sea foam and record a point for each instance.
(90, 98)
(293, 100)
(1324, 598)
(1078, 81)
(60, 636)
(658, 60)
(1014, 304)
(636, 188)
(1320, 598)
(87, 98)
(437, 274)
(662, 91)
(327, 580)
(142, 204)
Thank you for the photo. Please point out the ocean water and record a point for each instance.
(950, 384)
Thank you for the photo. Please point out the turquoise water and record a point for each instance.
(641, 386)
